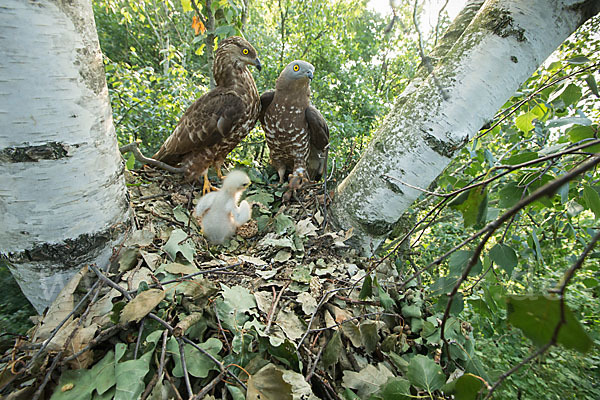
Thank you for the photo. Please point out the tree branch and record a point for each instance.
(133, 147)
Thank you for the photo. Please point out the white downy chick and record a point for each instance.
(219, 211)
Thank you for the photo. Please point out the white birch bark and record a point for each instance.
(435, 117)
(63, 199)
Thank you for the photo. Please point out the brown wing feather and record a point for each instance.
(206, 122)
(265, 100)
(318, 139)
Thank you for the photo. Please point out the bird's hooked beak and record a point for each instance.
(257, 64)
(309, 74)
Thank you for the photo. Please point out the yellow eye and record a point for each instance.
(245, 51)
(296, 67)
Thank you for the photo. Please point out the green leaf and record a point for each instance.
(524, 122)
(173, 246)
(522, 157)
(395, 389)
(198, 364)
(505, 257)
(443, 285)
(235, 392)
(536, 245)
(284, 224)
(186, 5)
(423, 372)
(578, 60)
(239, 298)
(510, 195)
(473, 208)
(571, 94)
(459, 260)
(467, 387)
(367, 381)
(591, 81)
(369, 336)
(82, 382)
(538, 316)
(104, 373)
(333, 350)
(386, 300)
(350, 395)
(130, 375)
(181, 214)
(580, 133)
(130, 162)
(264, 198)
(592, 199)
(367, 288)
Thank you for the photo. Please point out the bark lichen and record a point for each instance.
(70, 252)
(501, 23)
(48, 151)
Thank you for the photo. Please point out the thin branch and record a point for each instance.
(133, 147)
(561, 292)
(186, 375)
(60, 325)
(518, 105)
(200, 395)
(274, 306)
(324, 298)
(70, 338)
(547, 189)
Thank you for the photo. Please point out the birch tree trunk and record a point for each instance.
(63, 199)
(504, 43)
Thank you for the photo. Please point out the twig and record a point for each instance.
(107, 333)
(314, 366)
(139, 338)
(490, 228)
(186, 375)
(549, 188)
(200, 395)
(418, 188)
(58, 356)
(312, 317)
(60, 325)
(163, 353)
(221, 330)
(213, 359)
(274, 306)
(561, 294)
(186, 277)
(133, 147)
(337, 325)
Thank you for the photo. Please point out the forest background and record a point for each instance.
(157, 60)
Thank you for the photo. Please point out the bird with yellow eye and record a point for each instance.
(296, 132)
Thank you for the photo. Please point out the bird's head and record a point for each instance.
(297, 72)
(236, 50)
(236, 181)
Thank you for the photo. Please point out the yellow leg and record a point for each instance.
(207, 187)
(219, 173)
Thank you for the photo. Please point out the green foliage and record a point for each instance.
(15, 309)
(527, 145)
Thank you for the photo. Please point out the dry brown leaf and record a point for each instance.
(141, 305)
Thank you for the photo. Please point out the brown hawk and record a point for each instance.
(216, 122)
(296, 132)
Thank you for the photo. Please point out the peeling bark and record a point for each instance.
(438, 114)
(62, 193)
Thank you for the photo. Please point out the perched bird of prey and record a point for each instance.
(219, 211)
(296, 132)
(216, 122)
